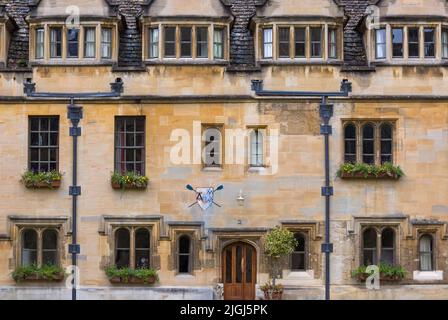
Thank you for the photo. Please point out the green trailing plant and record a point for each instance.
(46, 272)
(279, 242)
(33, 179)
(129, 179)
(125, 274)
(367, 170)
(385, 269)
(22, 63)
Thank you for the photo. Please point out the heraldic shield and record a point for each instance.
(205, 197)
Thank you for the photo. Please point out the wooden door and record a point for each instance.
(239, 271)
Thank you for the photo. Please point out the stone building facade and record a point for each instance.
(186, 71)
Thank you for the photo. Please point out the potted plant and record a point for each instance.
(267, 290)
(134, 276)
(39, 180)
(129, 180)
(369, 171)
(36, 273)
(279, 243)
(388, 272)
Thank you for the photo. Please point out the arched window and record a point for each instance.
(299, 261)
(388, 246)
(369, 247)
(29, 247)
(212, 150)
(142, 249)
(426, 253)
(368, 144)
(386, 143)
(49, 247)
(256, 148)
(122, 248)
(350, 143)
(184, 254)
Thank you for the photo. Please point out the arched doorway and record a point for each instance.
(239, 271)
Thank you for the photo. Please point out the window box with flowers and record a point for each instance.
(132, 276)
(369, 171)
(388, 273)
(36, 273)
(129, 180)
(42, 180)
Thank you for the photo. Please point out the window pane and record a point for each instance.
(202, 42)
(106, 43)
(369, 238)
(283, 42)
(429, 43)
(229, 265)
(40, 38)
(380, 43)
(122, 248)
(413, 42)
(445, 43)
(316, 42)
(212, 150)
(29, 247)
(72, 43)
(153, 42)
(185, 42)
(184, 263)
(300, 45)
(256, 148)
(298, 256)
(218, 43)
(43, 134)
(142, 239)
(368, 144)
(397, 42)
(332, 43)
(89, 42)
(129, 144)
(248, 263)
(386, 143)
(267, 43)
(55, 42)
(350, 143)
(170, 41)
(426, 248)
(239, 257)
(184, 244)
(387, 246)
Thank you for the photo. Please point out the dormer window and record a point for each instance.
(414, 43)
(290, 43)
(172, 42)
(56, 43)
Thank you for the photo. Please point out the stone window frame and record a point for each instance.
(379, 228)
(312, 232)
(18, 224)
(162, 24)
(110, 223)
(65, 59)
(132, 230)
(195, 247)
(405, 59)
(275, 25)
(377, 123)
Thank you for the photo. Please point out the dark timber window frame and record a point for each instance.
(169, 41)
(431, 251)
(118, 165)
(316, 45)
(186, 41)
(379, 248)
(413, 42)
(88, 42)
(71, 42)
(429, 45)
(397, 45)
(39, 43)
(188, 254)
(201, 42)
(132, 232)
(284, 42)
(42, 147)
(40, 249)
(381, 141)
(56, 44)
(303, 253)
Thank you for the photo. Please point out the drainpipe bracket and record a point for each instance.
(74, 249)
(326, 129)
(327, 248)
(74, 191)
(327, 191)
(75, 132)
